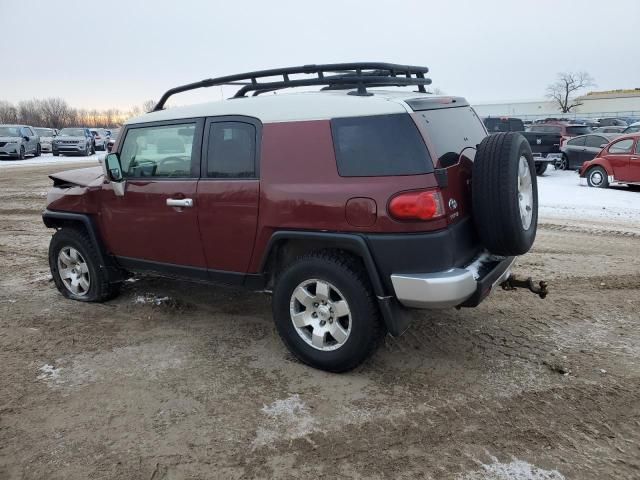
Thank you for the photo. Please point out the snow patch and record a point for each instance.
(49, 159)
(50, 374)
(286, 419)
(514, 470)
(151, 299)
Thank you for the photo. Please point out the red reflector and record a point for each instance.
(422, 205)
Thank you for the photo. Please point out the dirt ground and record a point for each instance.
(174, 380)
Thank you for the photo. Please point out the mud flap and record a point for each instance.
(396, 318)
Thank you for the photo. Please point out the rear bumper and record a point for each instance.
(466, 286)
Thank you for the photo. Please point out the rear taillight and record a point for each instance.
(417, 205)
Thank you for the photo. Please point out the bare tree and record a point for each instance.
(8, 113)
(148, 105)
(563, 91)
(56, 112)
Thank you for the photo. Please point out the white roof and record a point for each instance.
(299, 106)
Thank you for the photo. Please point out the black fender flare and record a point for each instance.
(395, 316)
(56, 219)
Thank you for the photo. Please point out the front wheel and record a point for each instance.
(597, 177)
(326, 313)
(21, 155)
(564, 163)
(75, 267)
(38, 151)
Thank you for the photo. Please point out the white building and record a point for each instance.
(595, 104)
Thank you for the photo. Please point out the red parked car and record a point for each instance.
(618, 162)
(349, 205)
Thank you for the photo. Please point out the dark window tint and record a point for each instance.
(504, 125)
(623, 146)
(638, 147)
(546, 129)
(452, 131)
(594, 141)
(578, 130)
(231, 150)
(379, 145)
(577, 142)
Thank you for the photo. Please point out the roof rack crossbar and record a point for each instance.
(358, 75)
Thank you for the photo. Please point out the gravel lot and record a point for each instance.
(187, 381)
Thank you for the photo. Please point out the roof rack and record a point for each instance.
(341, 76)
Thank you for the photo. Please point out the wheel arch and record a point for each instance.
(58, 220)
(284, 246)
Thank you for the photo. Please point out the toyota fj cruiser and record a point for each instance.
(350, 204)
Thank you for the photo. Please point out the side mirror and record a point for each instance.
(26, 138)
(114, 170)
(604, 145)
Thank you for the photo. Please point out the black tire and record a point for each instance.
(21, 155)
(38, 151)
(541, 168)
(93, 149)
(55, 154)
(345, 273)
(87, 151)
(597, 177)
(495, 194)
(99, 287)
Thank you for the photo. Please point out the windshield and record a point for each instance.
(9, 131)
(44, 132)
(578, 130)
(71, 132)
(632, 129)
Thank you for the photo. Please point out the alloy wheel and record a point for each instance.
(74, 271)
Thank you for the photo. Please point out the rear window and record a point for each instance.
(546, 129)
(579, 130)
(452, 130)
(379, 145)
(504, 125)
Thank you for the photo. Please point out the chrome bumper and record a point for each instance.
(452, 287)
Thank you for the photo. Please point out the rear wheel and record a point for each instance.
(38, 151)
(75, 267)
(505, 194)
(564, 163)
(325, 311)
(597, 177)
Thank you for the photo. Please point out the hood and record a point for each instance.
(82, 177)
(10, 139)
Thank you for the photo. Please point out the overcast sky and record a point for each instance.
(119, 53)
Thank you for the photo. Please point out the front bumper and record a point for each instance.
(68, 147)
(45, 146)
(12, 150)
(466, 286)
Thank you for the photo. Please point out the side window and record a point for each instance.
(576, 142)
(638, 147)
(622, 146)
(231, 152)
(162, 151)
(595, 141)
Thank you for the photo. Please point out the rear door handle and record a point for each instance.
(180, 202)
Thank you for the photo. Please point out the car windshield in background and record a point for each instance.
(578, 130)
(71, 132)
(44, 132)
(9, 131)
(632, 129)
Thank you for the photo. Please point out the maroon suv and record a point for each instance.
(349, 205)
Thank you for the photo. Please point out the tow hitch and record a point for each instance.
(514, 282)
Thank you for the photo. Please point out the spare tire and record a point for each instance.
(505, 194)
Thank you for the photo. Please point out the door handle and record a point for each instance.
(635, 158)
(180, 202)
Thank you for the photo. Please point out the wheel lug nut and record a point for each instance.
(314, 315)
(322, 323)
(316, 305)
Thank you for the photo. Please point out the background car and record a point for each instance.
(100, 138)
(612, 129)
(578, 150)
(112, 138)
(46, 137)
(618, 162)
(609, 122)
(74, 140)
(633, 128)
(17, 141)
